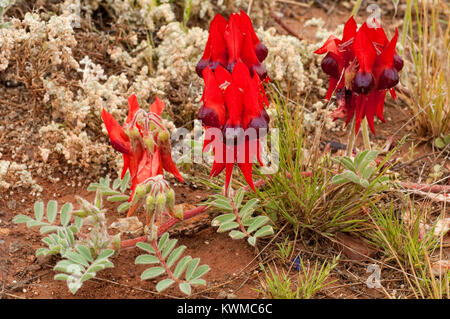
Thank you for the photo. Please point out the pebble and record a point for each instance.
(4, 232)
(224, 295)
(15, 246)
(12, 204)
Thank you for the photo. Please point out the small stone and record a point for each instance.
(12, 204)
(206, 242)
(2, 213)
(4, 232)
(24, 290)
(15, 246)
(43, 260)
(231, 296)
(2, 242)
(222, 295)
(34, 267)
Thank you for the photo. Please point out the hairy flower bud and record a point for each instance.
(139, 193)
(149, 143)
(153, 233)
(178, 212)
(170, 198)
(134, 133)
(150, 204)
(116, 242)
(160, 203)
(163, 136)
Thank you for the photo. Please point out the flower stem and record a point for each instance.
(365, 133)
(165, 227)
(238, 218)
(351, 138)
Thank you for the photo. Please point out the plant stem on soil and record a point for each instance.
(165, 227)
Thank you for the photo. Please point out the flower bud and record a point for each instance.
(139, 193)
(150, 204)
(87, 207)
(160, 203)
(152, 127)
(154, 233)
(134, 133)
(178, 212)
(149, 143)
(116, 242)
(163, 136)
(170, 198)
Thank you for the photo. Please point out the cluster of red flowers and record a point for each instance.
(145, 146)
(362, 67)
(234, 97)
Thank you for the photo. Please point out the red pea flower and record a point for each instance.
(145, 146)
(234, 116)
(362, 67)
(233, 41)
(233, 112)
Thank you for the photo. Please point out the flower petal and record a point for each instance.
(119, 140)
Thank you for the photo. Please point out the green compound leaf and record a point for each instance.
(20, 219)
(257, 222)
(226, 218)
(123, 207)
(146, 260)
(65, 214)
(118, 198)
(185, 288)
(52, 211)
(38, 210)
(235, 234)
(175, 255)
(264, 231)
(147, 247)
(227, 226)
(164, 284)
(152, 273)
(192, 267)
(181, 266)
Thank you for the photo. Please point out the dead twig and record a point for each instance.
(284, 25)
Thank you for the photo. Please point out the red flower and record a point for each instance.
(362, 67)
(233, 41)
(233, 99)
(145, 147)
(233, 114)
